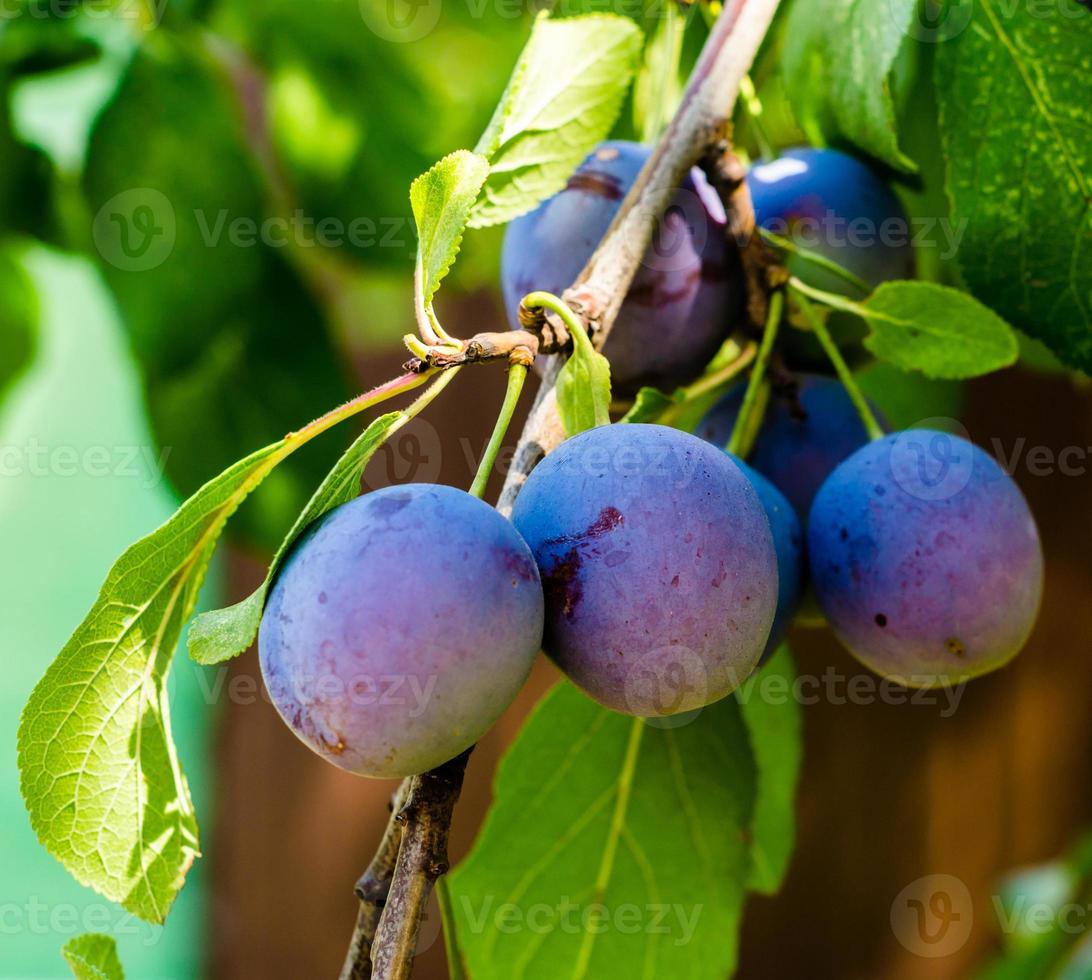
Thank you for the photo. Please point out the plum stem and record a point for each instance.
(814, 258)
(868, 417)
(754, 405)
(517, 374)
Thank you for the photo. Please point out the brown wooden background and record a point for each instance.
(890, 793)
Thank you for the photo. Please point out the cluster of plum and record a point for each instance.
(656, 569)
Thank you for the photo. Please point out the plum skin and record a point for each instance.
(808, 194)
(788, 539)
(688, 290)
(399, 629)
(796, 450)
(927, 588)
(658, 565)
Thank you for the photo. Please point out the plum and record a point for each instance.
(806, 433)
(688, 291)
(832, 204)
(400, 627)
(926, 559)
(788, 539)
(658, 565)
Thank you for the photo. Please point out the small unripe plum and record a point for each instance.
(400, 627)
(658, 565)
(833, 204)
(788, 539)
(926, 559)
(803, 437)
(687, 293)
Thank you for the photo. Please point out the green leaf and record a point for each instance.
(649, 405)
(772, 716)
(221, 634)
(1015, 118)
(838, 61)
(942, 332)
(563, 98)
(583, 390)
(658, 88)
(94, 956)
(99, 771)
(632, 858)
(442, 199)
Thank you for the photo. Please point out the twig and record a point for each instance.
(422, 858)
(372, 890)
(699, 126)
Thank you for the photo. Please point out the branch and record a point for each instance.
(422, 858)
(700, 126)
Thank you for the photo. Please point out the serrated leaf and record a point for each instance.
(583, 390)
(1014, 118)
(634, 862)
(838, 60)
(442, 199)
(773, 719)
(221, 634)
(98, 767)
(564, 96)
(93, 956)
(942, 332)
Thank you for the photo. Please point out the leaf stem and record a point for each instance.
(820, 261)
(747, 422)
(708, 383)
(833, 300)
(575, 326)
(868, 417)
(517, 374)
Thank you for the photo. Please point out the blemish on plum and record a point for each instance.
(561, 584)
(881, 620)
(955, 646)
(516, 564)
(594, 182)
(322, 598)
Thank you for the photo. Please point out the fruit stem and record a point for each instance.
(747, 424)
(517, 374)
(874, 429)
(821, 261)
(833, 300)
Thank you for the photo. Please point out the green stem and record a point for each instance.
(875, 431)
(517, 374)
(753, 106)
(833, 300)
(814, 258)
(747, 422)
(710, 382)
(455, 966)
(581, 342)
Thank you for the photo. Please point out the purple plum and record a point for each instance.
(687, 294)
(926, 559)
(658, 565)
(400, 627)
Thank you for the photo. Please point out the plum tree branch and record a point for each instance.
(698, 130)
